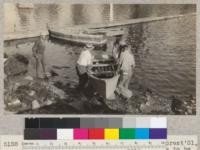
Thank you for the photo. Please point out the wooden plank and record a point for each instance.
(23, 35)
(138, 20)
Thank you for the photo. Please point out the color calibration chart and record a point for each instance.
(181, 142)
(143, 133)
(95, 128)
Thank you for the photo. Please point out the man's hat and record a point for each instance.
(90, 46)
(43, 34)
(123, 43)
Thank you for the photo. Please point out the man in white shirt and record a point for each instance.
(127, 64)
(84, 61)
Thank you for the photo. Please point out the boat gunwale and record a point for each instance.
(103, 79)
(79, 34)
(95, 42)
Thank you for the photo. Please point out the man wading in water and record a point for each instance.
(84, 61)
(126, 66)
(38, 53)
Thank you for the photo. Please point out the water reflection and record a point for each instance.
(61, 15)
(167, 56)
(93, 13)
(165, 50)
(63, 19)
(11, 17)
(26, 19)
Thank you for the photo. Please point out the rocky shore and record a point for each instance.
(24, 94)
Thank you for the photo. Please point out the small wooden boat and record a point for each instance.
(76, 36)
(103, 76)
(84, 35)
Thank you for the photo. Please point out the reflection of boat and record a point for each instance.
(103, 77)
(77, 36)
(25, 5)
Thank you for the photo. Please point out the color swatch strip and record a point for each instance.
(127, 122)
(94, 133)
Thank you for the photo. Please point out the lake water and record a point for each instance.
(165, 56)
(59, 15)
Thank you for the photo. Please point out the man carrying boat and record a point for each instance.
(116, 49)
(84, 61)
(39, 53)
(126, 64)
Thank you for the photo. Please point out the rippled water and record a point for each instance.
(59, 15)
(165, 54)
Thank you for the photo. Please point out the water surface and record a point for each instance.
(165, 52)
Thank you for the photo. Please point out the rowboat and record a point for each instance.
(78, 36)
(103, 76)
(97, 37)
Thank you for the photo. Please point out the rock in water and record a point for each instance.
(53, 73)
(155, 104)
(32, 93)
(5, 55)
(145, 108)
(14, 103)
(126, 93)
(56, 91)
(29, 78)
(16, 65)
(35, 104)
(48, 102)
(21, 58)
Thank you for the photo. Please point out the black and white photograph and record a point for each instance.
(134, 59)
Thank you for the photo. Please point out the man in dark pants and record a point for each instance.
(39, 54)
(84, 61)
(127, 65)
